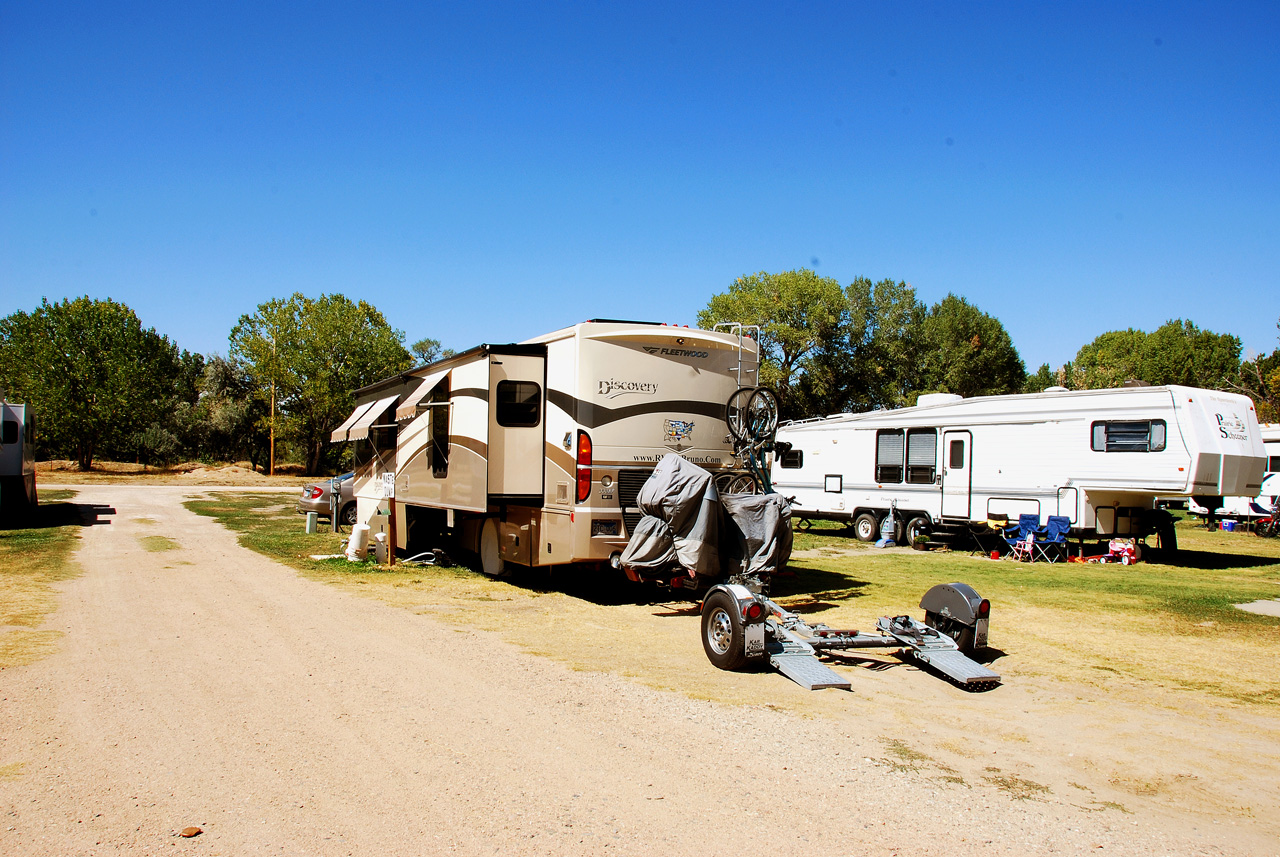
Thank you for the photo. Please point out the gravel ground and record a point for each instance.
(209, 687)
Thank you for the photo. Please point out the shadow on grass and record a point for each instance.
(46, 516)
(1211, 561)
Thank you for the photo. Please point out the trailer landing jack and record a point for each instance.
(741, 627)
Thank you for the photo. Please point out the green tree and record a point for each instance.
(800, 314)
(307, 356)
(886, 322)
(1259, 379)
(96, 378)
(1177, 352)
(430, 350)
(968, 352)
(1043, 378)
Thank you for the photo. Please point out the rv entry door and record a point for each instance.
(956, 473)
(517, 413)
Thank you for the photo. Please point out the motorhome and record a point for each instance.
(533, 453)
(17, 458)
(1250, 507)
(1097, 457)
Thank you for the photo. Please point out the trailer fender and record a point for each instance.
(958, 611)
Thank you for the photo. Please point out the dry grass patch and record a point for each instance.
(33, 558)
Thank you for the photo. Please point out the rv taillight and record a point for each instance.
(584, 466)
(984, 609)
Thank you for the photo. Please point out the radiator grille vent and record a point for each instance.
(629, 484)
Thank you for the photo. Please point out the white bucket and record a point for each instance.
(380, 548)
(358, 544)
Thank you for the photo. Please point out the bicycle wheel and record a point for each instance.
(762, 413)
(736, 413)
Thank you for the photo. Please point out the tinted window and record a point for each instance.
(1128, 436)
(519, 404)
(922, 455)
(889, 454)
(10, 432)
(793, 458)
(957, 454)
(1273, 464)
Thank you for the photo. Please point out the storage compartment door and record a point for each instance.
(517, 420)
(956, 473)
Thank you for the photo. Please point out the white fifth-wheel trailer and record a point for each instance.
(533, 453)
(1098, 457)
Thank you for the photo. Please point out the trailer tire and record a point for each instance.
(866, 527)
(722, 636)
(958, 631)
(917, 526)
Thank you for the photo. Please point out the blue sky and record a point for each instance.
(489, 172)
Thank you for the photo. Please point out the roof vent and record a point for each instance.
(1056, 390)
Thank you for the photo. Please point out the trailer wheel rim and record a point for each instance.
(719, 630)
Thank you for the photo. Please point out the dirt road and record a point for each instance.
(206, 686)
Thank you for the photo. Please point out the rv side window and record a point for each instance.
(793, 458)
(10, 434)
(889, 449)
(1273, 464)
(922, 455)
(1128, 436)
(440, 430)
(519, 404)
(957, 455)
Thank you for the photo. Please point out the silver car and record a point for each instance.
(315, 498)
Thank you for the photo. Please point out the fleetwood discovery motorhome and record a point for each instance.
(533, 453)
(1098, 457)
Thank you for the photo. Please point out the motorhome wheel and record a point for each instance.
(722, 636)
(491, 562)
(866, 527)
(917, 526)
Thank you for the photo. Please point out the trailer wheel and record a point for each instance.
(958, 631)
(917, 526)
(722, 636)
(866, 527)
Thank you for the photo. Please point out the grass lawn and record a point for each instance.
(1156, 630)
(33, 557)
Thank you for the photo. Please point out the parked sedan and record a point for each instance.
(315, 498)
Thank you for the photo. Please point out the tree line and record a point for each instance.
(103, 386)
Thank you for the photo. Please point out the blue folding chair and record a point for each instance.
(1021, 538)
(1051, 543)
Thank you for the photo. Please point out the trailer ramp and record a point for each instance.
(797, 660)
(939, 651)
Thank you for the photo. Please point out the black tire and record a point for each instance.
(736, 413)
(762, 413)
(917, 526)
(348, 515)
(866, 527)
(962, 634)
(723, 639)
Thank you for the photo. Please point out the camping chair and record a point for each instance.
(1051, 544)
(1021, 540)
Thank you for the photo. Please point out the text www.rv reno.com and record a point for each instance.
(696, 459)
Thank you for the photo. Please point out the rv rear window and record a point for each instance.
(519, 404)
(793, 458)
(922, 455)
(10, 432)
(1128, 436)
(889, 449)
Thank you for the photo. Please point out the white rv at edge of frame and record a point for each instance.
(1098, 457)
(17, 457)
(1247, 507)
(533, 453)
